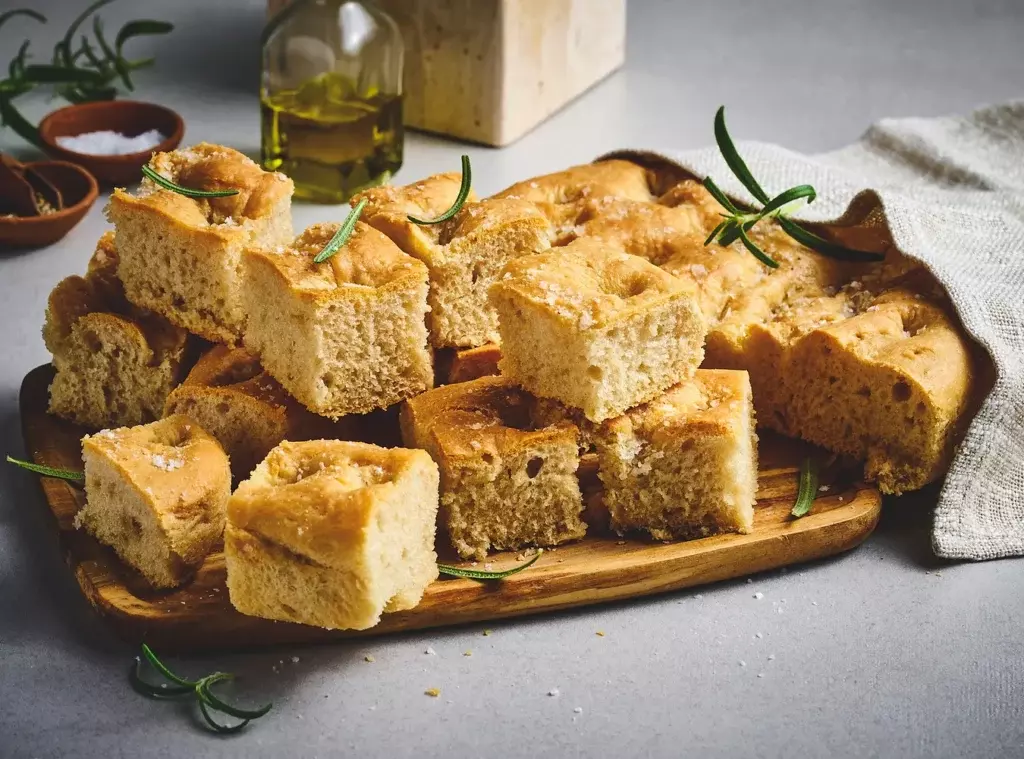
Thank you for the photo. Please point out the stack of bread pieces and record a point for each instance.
(572, 322)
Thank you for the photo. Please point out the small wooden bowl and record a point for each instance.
(128, 117)
(79, 190)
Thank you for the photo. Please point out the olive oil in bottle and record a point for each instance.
(331, 100)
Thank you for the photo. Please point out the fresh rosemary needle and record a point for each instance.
(808, 489)
(167, 184)
(736, 223)
(476, 574)
(180, 688)
(48, 471)
(460, 199)
(341, 236)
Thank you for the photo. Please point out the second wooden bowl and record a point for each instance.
(79, 191)
(129, 117)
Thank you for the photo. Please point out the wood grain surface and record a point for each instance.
(599, 568)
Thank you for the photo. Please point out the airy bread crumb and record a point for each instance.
(505, 482)
(346, 336)
(115, 364)
(685, 464)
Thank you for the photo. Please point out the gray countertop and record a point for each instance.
(881, 652)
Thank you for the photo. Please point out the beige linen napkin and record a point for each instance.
(952, 191)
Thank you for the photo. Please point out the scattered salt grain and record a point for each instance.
(771, 657)
(758, 635)
(107, 142)
(295, 660)
(823, 489)
(430, 651)
(578, 710)
(553, 692)
(759, 595)
(167, 464)
(742, 663)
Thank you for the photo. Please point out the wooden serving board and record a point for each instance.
(596, 569)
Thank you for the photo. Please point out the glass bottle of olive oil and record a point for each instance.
(331, 97)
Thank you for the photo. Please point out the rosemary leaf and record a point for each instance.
(163, 670)
(16, 68)
(220, 706)
(785, 198)
(720, 196)
(341, 236)
(63, 49)
(11, 117)
(715, 231)
(22, 12)
(139, 28)
(460, 199)
(825, 247)
(218, 727)
(732, 157)
(808, 489)
(41, 73)
(759, 254)
(167, 184)
(476, 574)
(109, 54)
(48, 471)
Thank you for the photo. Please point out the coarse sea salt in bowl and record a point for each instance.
(96, 136)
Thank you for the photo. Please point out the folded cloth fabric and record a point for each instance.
(952, 192)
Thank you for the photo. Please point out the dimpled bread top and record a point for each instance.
(486, 416)
(315, 497)
(704, 407)
(241, 371)
(212, 167)
(590, 283)
(623, 179)
(388, 208)
(368, 261)
(561, 195)
(425, 199)
(173, 460)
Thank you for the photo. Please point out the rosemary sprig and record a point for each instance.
(167, 184)
(199, 689)
(808, 489)
(341, 236)
(78, 76)
(476, 574)
(737, 224)
(460, 199)
(48, 471)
